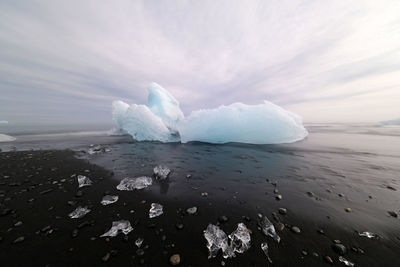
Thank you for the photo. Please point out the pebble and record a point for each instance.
(347, 209)
(278, 197)
(19, 239)
(320, 231)
(282, 211)
(18, 224)
(339, 249)
(74, 233)
(204, 194)
(280, 226)
(140, 252)
(310, 194)
(391, 188)
(175, 259)
(223, 219)
(295, 229)
(393, 213)
(179, 226)
(106, 257)
(304, 253)
(328, 259)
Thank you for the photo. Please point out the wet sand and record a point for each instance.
(240, 184)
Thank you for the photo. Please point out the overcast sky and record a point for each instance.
(328, 61)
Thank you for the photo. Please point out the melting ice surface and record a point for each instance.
(162, 120)
(129, 184)
(122, 226)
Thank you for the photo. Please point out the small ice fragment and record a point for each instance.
(109, 199)
(216, 240)
(129, 184)
(155, 210)
(79, 212)
(161, 172)
(84, 181)
(346, 262)
(191, 210)
(122, 226)
(367, 234)
(139, 242)
(269, 229)
(240, 239)
(95, 149)
(264, 247)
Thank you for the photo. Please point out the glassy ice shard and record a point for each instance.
(84, 181)
(109, 199)
(79, 212)
(216, 240)
(264, 247)
(122, 226)
(346, 262)
(240, 239)
(155, 210)
(268, 229)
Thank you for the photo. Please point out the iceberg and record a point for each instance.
(6, 138)
(391, 122)
(161, 119)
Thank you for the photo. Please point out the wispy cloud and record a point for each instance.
(326, 60)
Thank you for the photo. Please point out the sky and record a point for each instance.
(328, 61)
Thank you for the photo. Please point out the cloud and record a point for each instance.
(67, 60)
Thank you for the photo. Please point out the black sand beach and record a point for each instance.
(228, 184)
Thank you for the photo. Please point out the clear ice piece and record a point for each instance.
(139, 242)
(109, 199)
(216, 240)
(269, 229)
(264, 247)
(122, 226)
(129, 184)
(161, 172)
(84, 181)
(240, 239)
(367, 234)
(96, 149)
(346, 262)
(155, 210)
(79, 212)
(191, 210)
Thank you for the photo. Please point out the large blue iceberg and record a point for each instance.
(161, 119)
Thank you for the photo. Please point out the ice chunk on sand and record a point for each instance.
(265, 123)
(129, 184)
(109, 199)
(264, 247)
(191, 210)
(162, 120)
(6, 138)
(84, 181)
(79, 212)
(240, 239)
(346, 262)
(268, 228)
(155, 210)
(367, 234)
(216, 240)
(161, 172)
(139, 242)
(122, 226)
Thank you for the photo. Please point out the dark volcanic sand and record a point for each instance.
(234, 178)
